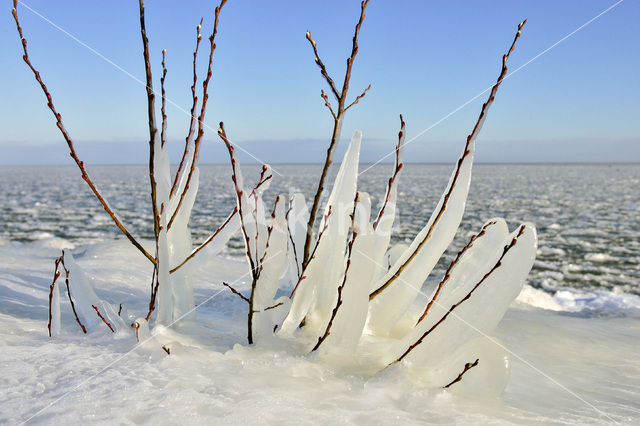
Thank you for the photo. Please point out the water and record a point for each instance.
(586, 215)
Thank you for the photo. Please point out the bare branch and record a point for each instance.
(239, 192)
(466, 297)
(69, 141)
(206, 242)
(468, 366)
(337, 125)
(362, 95)
(328, 104)
(396, 171)
(163, 132)
(56, 275)
(103, 318)
(273, 307)
(192, 123)
(313, 253)
(236, 292)
(152, 121)
(73, 305)
(470, 138)
(323, 69)
(203, 108)
(451, 266)
(354, 235)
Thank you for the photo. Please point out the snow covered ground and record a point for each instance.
(574, 358)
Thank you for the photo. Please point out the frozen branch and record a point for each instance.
(153, 130)
(192, 122)
(354, 235)
(468, 366)
(396, 171)
(206, 242)
(103, 318)
(163, 132)
(203, 108)
(69, 141)
(470, 139)
(337, 121)
(466, 297)
(451, 266)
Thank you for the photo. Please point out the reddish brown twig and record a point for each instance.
(73, 305)
(466, 297)
(69, 141)
(103, 318)
(163, 132)
(167, 350)
(153, 130)
(236, 292)
(468, 366)
(313, 253)
(451, 266)
(192, 122)
(273, 307)
(56, 275)
(203, 108)
(396, 171)
(206, 242)
(357, 99)
(354, 235)
(337, 120)
(470, 138)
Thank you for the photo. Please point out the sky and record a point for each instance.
(428, 60)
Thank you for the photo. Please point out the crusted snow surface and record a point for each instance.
(212, 376)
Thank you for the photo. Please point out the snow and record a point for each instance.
(212, 376)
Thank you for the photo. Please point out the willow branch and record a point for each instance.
(362, 95)
(323, 69)
(470, 138)
(56, 275)
(328, 104)
(163, 132)
(69, 141)
(337, 124)
(236, 292)
(468, 366)
(447, 274)
(396, 171)
(466, 297)
(153, 130)
(103, 318)
(203, 108)
(192, 123)
(354, 235)
(313, 253)
(206, 242)
(73, 305)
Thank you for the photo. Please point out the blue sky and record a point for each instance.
(580, 101)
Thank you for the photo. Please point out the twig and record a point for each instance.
(163, 133)
(337, 121)
(451, 266)
(73, 305)
(167, 350)
(293, 244)
(396, 171)
(468, 295)
(192, 123)
(362, 95)
(236, 292)
(103, 319)
(468, 366)
(328, 104)
(470, 138)
(313, 253)
(203, 107)
(153, 130)
(69, 141)
(354, 235)
(56, 275)
(273, 307)
(206, 242)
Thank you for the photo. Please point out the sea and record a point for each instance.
(587, 215)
